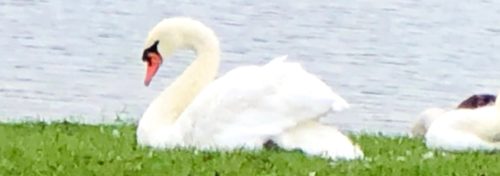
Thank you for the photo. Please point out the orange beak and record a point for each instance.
(153, 65)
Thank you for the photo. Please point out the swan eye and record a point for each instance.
(152, 49)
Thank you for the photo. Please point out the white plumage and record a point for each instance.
(465, 129)
(425, 120)
(244, 108)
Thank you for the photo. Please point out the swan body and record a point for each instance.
(244, 108)
(466, 129)
(428, 116)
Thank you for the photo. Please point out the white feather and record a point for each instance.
(242, 109)
(466, 129)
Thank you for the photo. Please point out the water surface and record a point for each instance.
(390, 59)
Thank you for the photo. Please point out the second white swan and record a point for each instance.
(245, 108)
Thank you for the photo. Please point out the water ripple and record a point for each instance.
(389, 59)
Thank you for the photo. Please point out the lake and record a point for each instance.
(390, 59)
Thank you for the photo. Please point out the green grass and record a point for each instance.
(69, 149)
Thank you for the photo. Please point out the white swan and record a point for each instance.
(246, 107)
(426, 118)
(466, 129)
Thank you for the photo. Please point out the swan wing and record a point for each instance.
(251, 104)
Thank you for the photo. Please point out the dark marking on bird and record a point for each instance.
(477, 101)
(152, 49)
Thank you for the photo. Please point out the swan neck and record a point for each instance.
(183, 34)
(176, 98)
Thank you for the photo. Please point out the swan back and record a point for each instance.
(251, 104)
(296, 79)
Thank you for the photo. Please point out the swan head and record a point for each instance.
(477, 101)
(170, 35)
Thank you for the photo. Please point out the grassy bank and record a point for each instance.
(68, 149)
